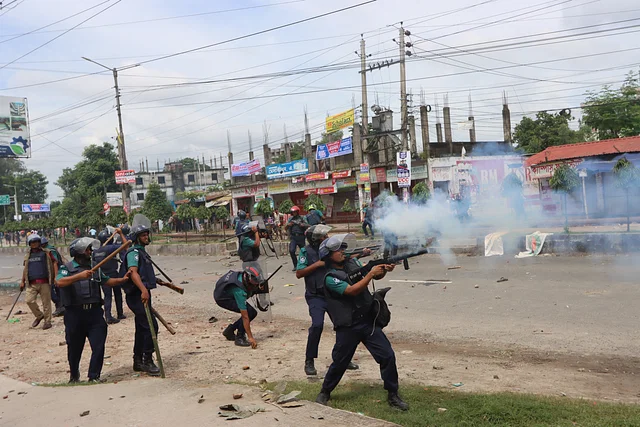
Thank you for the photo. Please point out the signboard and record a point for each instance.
(114, 199)
(341, 174)
(326, 190)
(281, 170)
(246, 168)
(310, 191)
(5, 200)
(380, 175)
(441, 173)
(547, 170)
(35, 207)
(297, 180)
(484, 172)
(15, 140)
(345, 183)
(249, 191)
(126, 177)
(319, 176)
(278, 187)
(340, 121)
(364, 172)
(404, 168)
(335, 149)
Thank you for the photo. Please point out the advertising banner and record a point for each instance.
(239, 193)
(340, 121)
(246, 168)
(114, 199)
(278, 187)
(319, 176)
(346, 183)
(335, 149)
(126, 177)
(379, 175)
(326, 190)
(404, 169)
(364, 172)
(341, 174)
(282, 170)
(35, 207)
(15, 140)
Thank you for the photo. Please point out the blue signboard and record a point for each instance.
(282, 170)
(34, 207)
(334, 149)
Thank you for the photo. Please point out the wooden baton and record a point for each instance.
(108, 258)
(164, 322)
(173, 287)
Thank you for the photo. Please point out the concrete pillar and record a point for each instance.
(308, 153)
(412, 136)
(424, 122)
(253, 176)
(357, 145)
(506, 122)
(287, 151)
(472, 131)
(266, 152)
(230, 158)
(382, 149)
(448, 136)
(439, 132)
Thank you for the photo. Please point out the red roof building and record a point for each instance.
(586, 149)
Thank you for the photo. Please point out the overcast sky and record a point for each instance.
(163, 123)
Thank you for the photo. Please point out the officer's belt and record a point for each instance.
(38, 281)
(88, 306)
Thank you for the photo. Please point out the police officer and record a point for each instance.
(350, 306)
(312, 268)
(296, 225)
(240, 221)
(111, 270)
(138, 290)
(55, 292)
(231, 293)
(248, 247)
(315, 217)
(83, 316)
(40, 270)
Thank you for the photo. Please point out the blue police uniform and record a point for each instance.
(231, 294)
(83, 319)
(111, 270)
(298, 225)
(246, 251)
(314, 295)
(138, 257)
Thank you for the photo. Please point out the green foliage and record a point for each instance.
(297, 153)
(221, 213)
(93, 175)
(511, 185)
(565, 179)
(627, 175)
(191, 164)
(116, 216)
(32, 187)
(420, 193)
(263, 208)
(330, 137)
(155, 205)
(185, 212)
(285, 206)
(314, 199)
(614, 113)
(202, 213)
(547, 130)
(192, 196)
(347, 207)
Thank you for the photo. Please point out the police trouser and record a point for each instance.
(108, 291)
(231, 305)
(143, 342)
(296, 242)
(82, 322)
(317, 308)
(347, 340)
(55, 295)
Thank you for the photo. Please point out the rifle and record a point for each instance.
(395, 259)
(358, 251)
(169, 285)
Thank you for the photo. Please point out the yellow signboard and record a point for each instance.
(340, 121)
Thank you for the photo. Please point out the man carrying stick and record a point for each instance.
(83, 316)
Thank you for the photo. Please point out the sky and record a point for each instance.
(190, 104)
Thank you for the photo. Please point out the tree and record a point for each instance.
(420, 193)
(326, 138)
(627, 178)
(32, 187)
(348, 208)
(297, 153)
(93, 175)
(117, 216)
(156, 206)
(191, 164)
(314, 199)
(547, 130)
(565, 179)
(285, 206)
(615, 113)
(263, 208)
(221, 214)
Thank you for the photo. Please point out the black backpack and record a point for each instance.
(380, 309)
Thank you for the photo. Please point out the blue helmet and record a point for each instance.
(334, 244)
(44, 241)
(33, 238)
(79, 246)
(137, 230)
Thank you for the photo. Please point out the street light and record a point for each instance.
(15, 201)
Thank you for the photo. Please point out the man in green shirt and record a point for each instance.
(249, 243)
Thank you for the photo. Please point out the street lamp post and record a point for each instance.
(15, 201)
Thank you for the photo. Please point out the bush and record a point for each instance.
(285, 206)
(314, 199)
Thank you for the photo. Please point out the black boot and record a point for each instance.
(74, 378)
(352, 366)
(137, 363)
(241, 341)
(229, 333)
(395, 402)
(112, 320)
(309, 367)
(323, 397)
(59, 311)
(121, 316)
(150, 367)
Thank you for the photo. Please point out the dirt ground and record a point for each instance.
(200, 354)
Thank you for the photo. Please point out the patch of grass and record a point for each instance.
(67, 384)
(472, 409)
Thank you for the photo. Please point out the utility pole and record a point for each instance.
(403, 88)
(363, 74)
(122, 154)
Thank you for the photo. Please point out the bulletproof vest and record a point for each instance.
(313, 218)
(86, 291)
(145, 270)
(241, 223)
(345, 310)
(110, 268)
(229, 279)
(296, 228)
(37, 268)
(314, 283)
(247, 254)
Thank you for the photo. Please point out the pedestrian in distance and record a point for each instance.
(38, 275)
(368, 220)
(83, 315)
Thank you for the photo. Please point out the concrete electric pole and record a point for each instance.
(403, 89)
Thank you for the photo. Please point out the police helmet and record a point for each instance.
(125, 229)
(79, 246)
(137, 230)
(103, 236)
(295, 209)
(34, 238)
(316, 233)
(245, 229)
(44, 241)
(242, 214)
(252, 271)
(334, 244)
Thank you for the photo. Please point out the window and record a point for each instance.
(214, 176)
(140, 196)
(161, 180)
(139, 180)
(191, 178)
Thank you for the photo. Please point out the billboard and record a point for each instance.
(404, 169)
(126, 177)
(246, 168)
(36, 207)
(335, 149)
(114, 199)
(15, 140)
(282, 170)
(340, 121)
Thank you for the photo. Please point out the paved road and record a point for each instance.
(586, 305)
